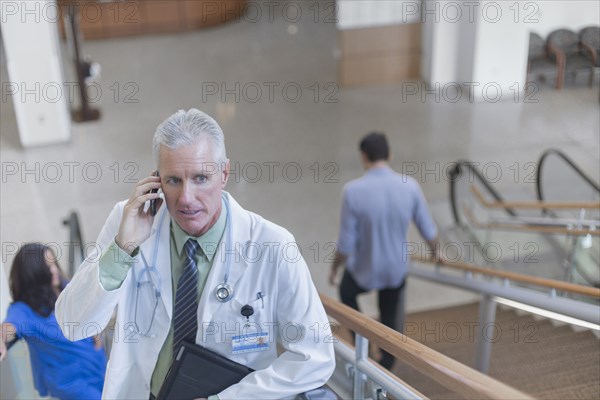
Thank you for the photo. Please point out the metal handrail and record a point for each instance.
(516, 277)
(74, 38)
(388, 382)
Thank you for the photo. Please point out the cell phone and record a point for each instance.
(152, 207)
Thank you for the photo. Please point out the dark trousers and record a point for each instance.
(388, 299)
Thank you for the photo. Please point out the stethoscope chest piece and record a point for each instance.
(223, 292)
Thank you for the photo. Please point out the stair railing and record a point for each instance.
(453, 375)
(493, 291)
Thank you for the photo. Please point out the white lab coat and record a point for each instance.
(290, 310)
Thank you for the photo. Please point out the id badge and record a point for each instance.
(251, 342)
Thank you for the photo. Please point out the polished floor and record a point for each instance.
(291, 134)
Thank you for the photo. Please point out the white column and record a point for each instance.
(500, 52)
(35, 79)
(440, 43)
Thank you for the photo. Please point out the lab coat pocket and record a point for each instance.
(242, 331)
(240, 318)
(254, 343)
(116, 379)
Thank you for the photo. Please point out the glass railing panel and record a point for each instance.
(586, 261)
(559, 256)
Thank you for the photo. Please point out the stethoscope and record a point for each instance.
(223, 291)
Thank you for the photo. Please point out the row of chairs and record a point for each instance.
(564, 51)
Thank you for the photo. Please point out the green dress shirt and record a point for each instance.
(115, 263)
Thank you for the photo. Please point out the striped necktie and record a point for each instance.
(185, 319)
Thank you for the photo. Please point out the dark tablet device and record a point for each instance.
(198, 372)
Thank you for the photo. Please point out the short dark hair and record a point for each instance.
(375, 146)
(31, 280)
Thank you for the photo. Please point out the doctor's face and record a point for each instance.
(192, 182)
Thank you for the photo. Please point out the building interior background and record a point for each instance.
(295, 85)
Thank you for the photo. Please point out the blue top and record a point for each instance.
(61, 368)
(377, 210)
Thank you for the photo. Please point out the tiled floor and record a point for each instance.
(311, 142)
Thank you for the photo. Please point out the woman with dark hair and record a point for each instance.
(61, 369)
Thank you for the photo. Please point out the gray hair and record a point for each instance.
(185, 128)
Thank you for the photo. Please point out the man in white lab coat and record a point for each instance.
(144, 262)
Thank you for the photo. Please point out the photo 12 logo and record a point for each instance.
(454, 92)
(53, 92)
(90, 12)
(453, 12)
(254, 92)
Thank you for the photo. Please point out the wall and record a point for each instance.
(354, 14)
(379, 41)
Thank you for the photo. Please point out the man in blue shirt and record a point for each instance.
(377, 210)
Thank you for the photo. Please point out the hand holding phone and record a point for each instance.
(137, 220)
(153, 208)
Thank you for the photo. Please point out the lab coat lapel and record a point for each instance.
(163, 256)
(240, 235)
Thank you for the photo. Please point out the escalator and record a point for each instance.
(559, 243)
(586, 255)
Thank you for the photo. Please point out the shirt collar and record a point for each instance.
(209, 241)
(379, 170)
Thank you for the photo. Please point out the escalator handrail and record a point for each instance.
(455, 173)
(569, 161)
(75, 237)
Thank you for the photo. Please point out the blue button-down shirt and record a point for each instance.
(377, 210)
